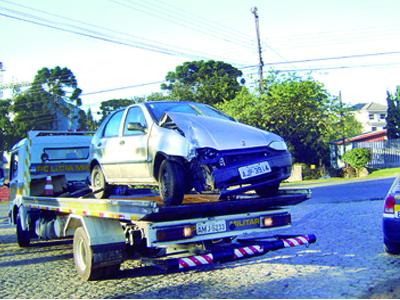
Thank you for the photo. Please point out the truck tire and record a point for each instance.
(268, 191)
(83, 258)
(23, 236)
(171, 182)
(98, 182)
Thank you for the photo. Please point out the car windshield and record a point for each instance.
(198, 109)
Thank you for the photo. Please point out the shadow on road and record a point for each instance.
(37, 260)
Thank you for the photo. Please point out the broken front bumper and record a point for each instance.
(224, 166)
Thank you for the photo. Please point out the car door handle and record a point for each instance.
(122, 142)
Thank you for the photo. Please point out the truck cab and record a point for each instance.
(64, 156)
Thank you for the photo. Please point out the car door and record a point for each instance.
(107, 147)
(133, 150)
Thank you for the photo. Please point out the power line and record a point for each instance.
(166, 15)
(210, 24)
(137, 39)
(335, 57)
(123, 88)
(339, 67)
(99, 35)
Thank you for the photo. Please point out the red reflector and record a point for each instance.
(389, 204)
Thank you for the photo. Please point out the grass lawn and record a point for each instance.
(392, 172)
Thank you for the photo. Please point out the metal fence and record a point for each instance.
(385, 154)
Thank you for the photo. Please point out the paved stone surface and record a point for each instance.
(346, 262)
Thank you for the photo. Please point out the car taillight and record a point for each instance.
(389, 204)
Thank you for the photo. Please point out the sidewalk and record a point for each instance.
(329, 182)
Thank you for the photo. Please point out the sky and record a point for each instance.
(352, 47)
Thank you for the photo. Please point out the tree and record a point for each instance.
(208, 82)
(7, 132)
(300, 110)
(53, 92)
(91, 123)
(393, 115)
(109, 106)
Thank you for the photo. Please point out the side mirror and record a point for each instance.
(134, 126)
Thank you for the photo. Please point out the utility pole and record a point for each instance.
(261, 63)
(342, 122)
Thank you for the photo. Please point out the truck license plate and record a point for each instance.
(254, 170)
(210, 227)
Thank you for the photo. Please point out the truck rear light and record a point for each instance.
(174, 233)
(268, 222)
(389, 204)
(276, 220)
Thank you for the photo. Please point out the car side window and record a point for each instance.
(112, 126)
(135, 115)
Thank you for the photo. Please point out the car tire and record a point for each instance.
(267, 191)
(391, 248)
(171, 182)
(98, 182)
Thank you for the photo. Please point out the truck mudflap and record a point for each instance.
(243, 248)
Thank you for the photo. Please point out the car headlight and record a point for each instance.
(278, 145)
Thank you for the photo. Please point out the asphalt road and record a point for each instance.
(346, 262)
(371, 189)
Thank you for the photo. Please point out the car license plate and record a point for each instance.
(210, 227)
(254, 170)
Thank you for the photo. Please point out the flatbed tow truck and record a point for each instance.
(133, 223)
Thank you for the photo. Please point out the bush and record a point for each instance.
(357, 158)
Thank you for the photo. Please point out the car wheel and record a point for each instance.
(267, 191)
(171, 182)
(99, 183)
(391, 248)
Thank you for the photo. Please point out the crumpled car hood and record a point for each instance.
(220, 134)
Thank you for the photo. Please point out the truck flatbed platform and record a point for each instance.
(149, 208)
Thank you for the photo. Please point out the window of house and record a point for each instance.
(382, 116)
(373, 128)
(371, 116)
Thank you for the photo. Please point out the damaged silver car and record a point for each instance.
(185, 146)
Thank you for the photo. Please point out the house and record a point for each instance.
(365, 140)
(372, 116)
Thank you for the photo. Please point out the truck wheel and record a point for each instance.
(171, 182)
(23, 237)
(99, 183)
(83, 257)
(267, 191)
(391, 248)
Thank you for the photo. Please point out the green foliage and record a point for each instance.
(33, 111)
(7, 132)
(357, 158)
(158, 97)
(91, 124)
(53, 91)
(208, 82)
(393, 114)
(300, 110)
(109, 106)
